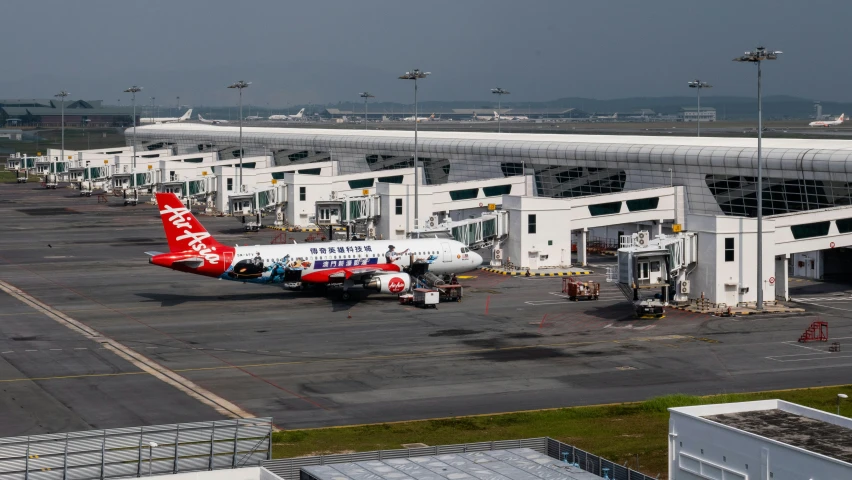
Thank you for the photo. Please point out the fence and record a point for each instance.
(134, 452)
(289, 468)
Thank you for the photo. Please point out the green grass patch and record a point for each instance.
(617, 432)
(11, 176)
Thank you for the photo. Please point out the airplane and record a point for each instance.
(828, 123)
(419, 119)
(372, 264)
(509, 117)
(288, 117)
(482, 117)
(214, 122)
(149, 120)
(251, 118)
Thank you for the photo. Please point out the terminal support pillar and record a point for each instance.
(782, 279)
(581, 248)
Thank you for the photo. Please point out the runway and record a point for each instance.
(310, 360)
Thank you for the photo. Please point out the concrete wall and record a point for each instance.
(550, 245)
(721, 281)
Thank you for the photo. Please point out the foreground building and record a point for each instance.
(766, 439)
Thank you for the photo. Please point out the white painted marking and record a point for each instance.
(55, 349)
(630, 326)
(80, 348)
(826, 306)
(796, 344)
(158, 371)
(827, 356)
(30, 350)
(150, 348)
(8, 351)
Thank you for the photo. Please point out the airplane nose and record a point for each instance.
(477, 258)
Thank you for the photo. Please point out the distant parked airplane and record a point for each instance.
(828, 123)
(151, 120)
(214, 122)
(288, 117)
(419, 119)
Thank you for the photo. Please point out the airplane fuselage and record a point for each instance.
(320, 262)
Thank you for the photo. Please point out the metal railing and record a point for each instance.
(289, 468)
(138, 451)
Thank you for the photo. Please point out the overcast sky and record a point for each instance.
(324, 51)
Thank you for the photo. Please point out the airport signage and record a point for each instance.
(676, 228)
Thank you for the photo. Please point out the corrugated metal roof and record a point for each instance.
(514, 464)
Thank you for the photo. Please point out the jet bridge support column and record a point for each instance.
(582, 247)
(782, 279)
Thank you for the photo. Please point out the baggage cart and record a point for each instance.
(450, 293)
(575, 290)
(425, 297)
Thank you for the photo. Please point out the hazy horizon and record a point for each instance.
(327, 51)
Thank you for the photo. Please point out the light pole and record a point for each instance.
(415, 75)
(61, 95)
(840, 396)
(240, 85)
(366, 96)
(151, 447)
(499, 92)
(698, 85)
(133, 91)
(152, 110)
(757, 56)
(178, 107)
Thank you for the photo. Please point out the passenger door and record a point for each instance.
(446, 254)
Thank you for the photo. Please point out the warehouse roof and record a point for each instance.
(514, 464)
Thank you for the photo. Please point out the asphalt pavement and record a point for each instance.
(308, 359)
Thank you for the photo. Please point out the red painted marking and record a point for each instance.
(543, 319)
(396, 285)
(487, 301)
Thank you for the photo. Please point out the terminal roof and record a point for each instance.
(185, 129)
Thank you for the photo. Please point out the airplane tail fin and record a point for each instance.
(186, 115)
(301, 112)
(183, 230)
(201, 118)
(496, 115)
(842, 117)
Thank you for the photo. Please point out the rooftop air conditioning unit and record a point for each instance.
(642, 238)
(684, 287)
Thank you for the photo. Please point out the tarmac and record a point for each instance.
(536, 272)
(98, 338)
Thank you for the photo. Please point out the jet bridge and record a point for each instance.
(191, 190)
(489, 230)
(250, 207)
(662, 264)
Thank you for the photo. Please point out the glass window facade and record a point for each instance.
(719, 175)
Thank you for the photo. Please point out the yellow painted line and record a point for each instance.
(465, 277)
(68, 377)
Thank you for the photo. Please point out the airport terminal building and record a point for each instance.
(531, 199)
(719, 174)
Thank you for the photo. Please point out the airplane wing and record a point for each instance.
(355, 273)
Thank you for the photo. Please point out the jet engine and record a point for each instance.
(396, 282)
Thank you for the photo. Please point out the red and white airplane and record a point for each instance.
(374, 264)
(828, 123)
